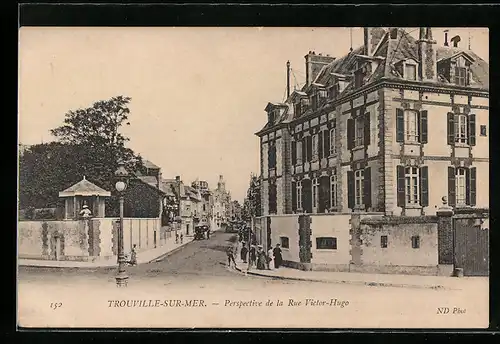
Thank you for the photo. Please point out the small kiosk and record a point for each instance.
(84, 193)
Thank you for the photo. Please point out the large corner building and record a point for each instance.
(391, 127)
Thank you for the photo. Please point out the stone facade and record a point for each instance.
(396, 132)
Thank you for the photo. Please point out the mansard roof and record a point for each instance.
(386, 55)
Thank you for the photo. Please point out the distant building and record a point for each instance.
(221, 200)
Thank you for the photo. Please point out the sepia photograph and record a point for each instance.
(253, 177)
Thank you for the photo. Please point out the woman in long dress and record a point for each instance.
(270, 259)
(261, 258)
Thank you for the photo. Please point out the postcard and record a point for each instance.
(253, 177)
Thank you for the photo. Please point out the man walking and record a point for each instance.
(230, 256)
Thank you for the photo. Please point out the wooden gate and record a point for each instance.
(471, 244)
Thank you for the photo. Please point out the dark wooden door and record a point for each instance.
(471, 247)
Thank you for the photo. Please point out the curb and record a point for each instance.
(177, 249)
(370, 284)
(166, 254)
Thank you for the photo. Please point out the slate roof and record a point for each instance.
(388, 52)
(84, 188)
(149, 165)
(151, 180)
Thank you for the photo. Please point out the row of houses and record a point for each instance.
(388, 130)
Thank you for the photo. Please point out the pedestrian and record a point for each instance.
(270, 258)
(244, 252)
(176, 238)
(261, 258)
(85, 213)
(230, 256)
(278, 258)
(252, 255)
(182, 237)
(133, 256)
(208, 233)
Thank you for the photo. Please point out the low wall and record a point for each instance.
(356, 242)
(86, 240)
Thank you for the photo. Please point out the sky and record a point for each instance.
(198, 94)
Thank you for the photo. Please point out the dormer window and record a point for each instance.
(456, 69)
(359, 76)
(297, 109)
(271, 117)
(410, 72)
(461, 76)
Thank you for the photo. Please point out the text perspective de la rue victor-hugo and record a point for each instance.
(173, 303)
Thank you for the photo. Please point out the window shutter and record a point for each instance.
(424, 186)
(309, 147)
(451, 186)
(401, 186)
(472, 130)
(350, 133)
(451, 128)
(328, 190)
(423, 126)
(294, 196)
(367, 188)
(326, 143)
(294, 153)
(350, 189)
(304, 150)
(472, 187)
(320, 145)
(467, 186)
(400, 125)
(367, 129)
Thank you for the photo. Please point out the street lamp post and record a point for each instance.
(121, 175)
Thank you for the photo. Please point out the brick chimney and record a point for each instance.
(372, 37)
(314, 64)
(427, 55)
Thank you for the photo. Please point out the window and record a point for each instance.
(410, 72)
(298, 109)
(411, 185)
(204, 207)
(359, 76)
(333, 148)
(271, 117)
(333, 191)
(271, 155)
(482, 130)
(460, 187)
(394, 33)
(315, 192)
(383, 241)
(285, 242)
(358, 187)
(461, 128)
(461, 76)
(315, 147)
(415, 241)
(315, 101)
(411, 126)
(299, 195)
(326, 243)
(359, 131)
(299, 152)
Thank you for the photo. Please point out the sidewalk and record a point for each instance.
(385, 280)
(143, 257)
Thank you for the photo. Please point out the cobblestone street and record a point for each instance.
(198, 272)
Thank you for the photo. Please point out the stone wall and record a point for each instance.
(85, 240)
(358, 244)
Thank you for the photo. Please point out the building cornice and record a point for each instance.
(384, 83)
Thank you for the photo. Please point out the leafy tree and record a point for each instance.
(89, 144)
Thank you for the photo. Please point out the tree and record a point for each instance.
(90, 144)
(96, 130)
